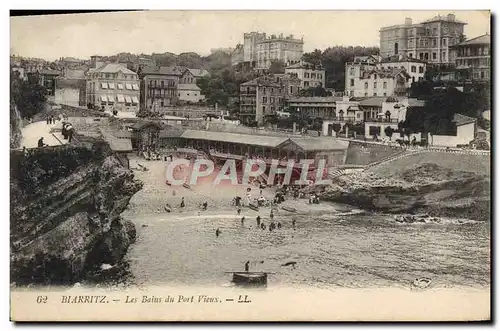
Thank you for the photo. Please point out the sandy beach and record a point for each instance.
(156, 194)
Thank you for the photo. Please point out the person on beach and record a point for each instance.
(279, 225)
(263, 226)
(238, 211)
(205, 205)
(243, 220)
(182, 203)
(247, 266)
(293, 223)
(258, 220)
(217, 232)
(271, 215)
(41, 143)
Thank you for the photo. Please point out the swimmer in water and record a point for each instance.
(293, 223)
(217, 232)
(258, 220)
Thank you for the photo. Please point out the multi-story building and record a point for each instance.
(291, 85)
(429, 41)
(159, 87)
(284, 49)
(414, 68)
(112, 87)
(309, 74)
(260, 97)
(473, 58)
(251, 41)
(375, 81)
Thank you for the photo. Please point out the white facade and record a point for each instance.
(113, 87)
(309, 75)
(465, 134)
(189, 92)
(415, 69)
(377, 82)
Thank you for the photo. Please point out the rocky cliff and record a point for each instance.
(15, 126)
(66, 203)
(422, 189)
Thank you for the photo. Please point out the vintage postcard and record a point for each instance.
(250, 166)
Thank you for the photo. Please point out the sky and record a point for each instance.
(82, 35)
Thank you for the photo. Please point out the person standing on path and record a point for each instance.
(41, 143)
(182, 203)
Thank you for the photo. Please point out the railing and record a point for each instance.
(381, 120)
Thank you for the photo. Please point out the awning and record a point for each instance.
(135, 87)
(120, 86)
(104, 85)
(128, 99)
(128, 86)
(135, 100)
(111, 85)
(120, 98)
(104, 98)
(111, 98)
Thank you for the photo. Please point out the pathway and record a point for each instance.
(32, 132)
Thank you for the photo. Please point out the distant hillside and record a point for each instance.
(213, 63)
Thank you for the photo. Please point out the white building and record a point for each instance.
(466, 132)
(189, 92)
(368, 82)
(113, 87)
(309, 74)
(414, 68)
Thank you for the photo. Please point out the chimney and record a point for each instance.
(451, 17)
(408, 21)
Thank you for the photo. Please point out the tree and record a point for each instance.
(28, 95)
(277, 67)
(389, 131)
(336, 128)
(333, 60)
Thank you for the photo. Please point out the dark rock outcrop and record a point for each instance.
(426, 188)
(66, 203)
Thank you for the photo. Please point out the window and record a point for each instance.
(352, 82)
(264, 99)
(306, 75)
(396, 48)
(385, 85)
(421, 69)
(413, 69)
(374, 84)
(272, 100)
(366, 85)
(375, 76)
(162, 103)
(421, 56)
(313, 75)
(264, 90)
(426, 56)
(162, 84)
(444, 42)
(320, 76)
(306, 84)
(434, 56)
(434, 43)
(482, 74)
(374, 94)
(291, 89)
(351, 72)
(410, 55)
(385, 94)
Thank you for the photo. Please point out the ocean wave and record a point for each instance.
(426, 219)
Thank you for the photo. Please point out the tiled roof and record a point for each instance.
(442, 18)
(190, 87)
(382, 72)
(199, 72)
(405, 58)
(315, 99)
(320, 144)
(372, 102)
(481, 40)
(460, 119)
(117, 144)
(112, 68)
(174, 71)
(261, 81)
(257, 140)
(142, 124)
(49, 72)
